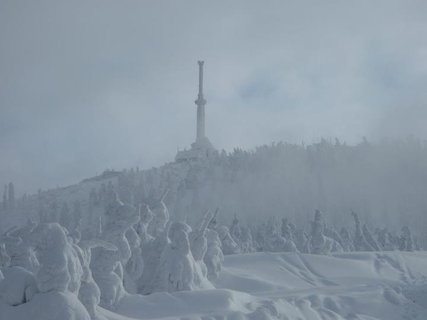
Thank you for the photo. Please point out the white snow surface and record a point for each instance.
(362, 285)
(386, 285)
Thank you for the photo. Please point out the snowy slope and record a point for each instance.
(298, 286)
(46, 306)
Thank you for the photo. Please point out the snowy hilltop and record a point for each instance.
(281, 232)
(383, 182)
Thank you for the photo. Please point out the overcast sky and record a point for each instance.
(90, 85)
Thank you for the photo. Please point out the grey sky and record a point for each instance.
(89, 85)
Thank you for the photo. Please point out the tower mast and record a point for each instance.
(202, 148)
(200, 102)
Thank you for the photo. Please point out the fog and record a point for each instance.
(306, 197)
(86, 86)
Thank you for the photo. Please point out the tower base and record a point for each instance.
(202, 149)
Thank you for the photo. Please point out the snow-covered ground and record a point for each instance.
(385, 285)
(79, 252)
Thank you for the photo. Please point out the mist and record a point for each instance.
(89, 86)
(213, 159)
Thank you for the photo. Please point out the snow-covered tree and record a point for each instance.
(152, 245)
(89, 293)
(19, 247)
(11, 197)
(246, 240)
(107, 265)
(65, 218)
(160, 217)
(214, 256)
(4, 257)
(360, 243)
(176, 267)
(60, 268)
(318, 242)
(370, 238)
(5, 199)
(347, 241)
(235, 230)
(141, 228)
(135, 265)
(288, 234)
(406, 241)
(229, 246)
(199, 247)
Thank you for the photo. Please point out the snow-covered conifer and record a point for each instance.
(287, 234)
(135, 265)
(160, 217)
(229, 246)
(369, 238)
(151, 254)
(11, 197)
(214, 256)
(19, 247)
(319, 243)
(89, 293)
(246, 241)
(65, 219)
(347, 242)
(60, 269)
(235, 230)
(360, 243)
(4, 257)
(176, 267)
(199, 246)
(106, 265)
(5, 199)
(145, 218)
(406, 241)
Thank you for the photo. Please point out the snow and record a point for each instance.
(18, 286)
(46, 306)
(115, 237)
(208, 285)
(261, 285)
(365, 285)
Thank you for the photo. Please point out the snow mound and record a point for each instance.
(271, 286)
(258, 286)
